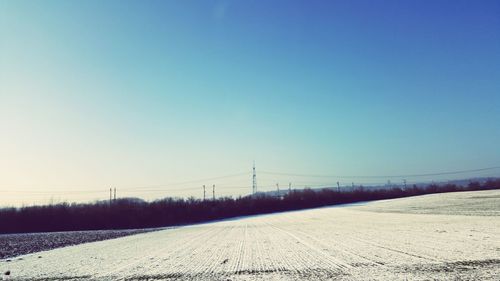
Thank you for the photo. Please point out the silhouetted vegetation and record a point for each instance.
(126, 213)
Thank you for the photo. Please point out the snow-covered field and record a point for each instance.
(454, 236)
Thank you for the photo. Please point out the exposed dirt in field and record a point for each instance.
(12, 245)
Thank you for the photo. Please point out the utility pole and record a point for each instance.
(278, 188)
(213, 191)
(404, 182)
(114, 198)
(338, 187)
(110, 197)
(254, 178)
(289, 187)
(204, 193)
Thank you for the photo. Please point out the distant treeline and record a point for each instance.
(126, 213)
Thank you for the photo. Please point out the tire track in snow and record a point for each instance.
(186, 250)
(242, 250)
(213, 266)
(159, 249)
(333, 261)
(340, 245)
(396, 250)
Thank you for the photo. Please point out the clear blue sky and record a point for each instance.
(137, 93)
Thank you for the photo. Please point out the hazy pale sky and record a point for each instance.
(146, 95)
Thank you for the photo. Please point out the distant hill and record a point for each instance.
(346, 188)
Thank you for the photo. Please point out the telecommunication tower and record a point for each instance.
(254, 178)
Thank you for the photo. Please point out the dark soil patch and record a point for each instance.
(12, 245)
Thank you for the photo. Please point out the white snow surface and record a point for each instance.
(433, 237)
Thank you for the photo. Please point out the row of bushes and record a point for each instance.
(125, 214)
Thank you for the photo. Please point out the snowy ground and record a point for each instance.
(434, 237)
(471, 203)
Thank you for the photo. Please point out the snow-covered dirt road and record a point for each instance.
(390, 240)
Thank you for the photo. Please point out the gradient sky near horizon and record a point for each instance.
(133, 94)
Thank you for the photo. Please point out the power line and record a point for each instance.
(254, 180)
(187, 182)
(54, 192)
(164, 187)
(386, 176)
(240, 185)
(104, 191)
